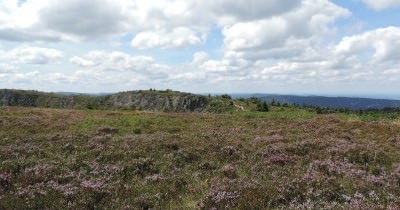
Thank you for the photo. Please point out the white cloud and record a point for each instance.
(199, 57)
(178, 37)
(36, 77)
(157, 23)
(86, 19)
(261, 42)
(35, 55)
(54, 20)
(225, 66)
(392, 71)
(116, 61)
(7, 68)
(380, 45)
(250, 35)
(288, 45)
(229, 11)
(185, 22)
(7, 8)
(57, 77)
(117, 64)
(381, 4)
(312, 19)
(28, 77)
(22, 22)
(368, 56)
(75, 20)
(31, 55)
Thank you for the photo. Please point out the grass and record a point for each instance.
(287, 158)
(280, 112)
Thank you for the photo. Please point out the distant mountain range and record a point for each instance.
(322, 101)
(168, 100)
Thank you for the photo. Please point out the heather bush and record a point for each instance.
(284, 159)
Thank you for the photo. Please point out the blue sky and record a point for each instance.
(371, 18)
(220, 46)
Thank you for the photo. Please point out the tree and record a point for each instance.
(226, 96)
(262, 107)
(265, 107)
(318, 110)
(273, 102)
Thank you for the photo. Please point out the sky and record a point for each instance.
(320, 47)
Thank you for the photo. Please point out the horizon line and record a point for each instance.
(378, 96)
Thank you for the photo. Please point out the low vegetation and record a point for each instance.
(286, 158)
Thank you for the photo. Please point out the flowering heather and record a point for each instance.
(91, 184)
(269, 139)
(287, 158)
(228, 150)
(229, 171)
(106, 130)
(65, 189)
(154, 178)
(280, 159)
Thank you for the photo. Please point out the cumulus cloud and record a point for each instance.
(380, 45)
(53, 20)
(247, 10)
(200, 57)
(273, 40)
(7, 68)
(382, 4)
(85, 19)
(250, 35)
(309, 20)
(36, 77)
(178, 37)
(74, 20)
(31, 55)
(117, 63)
(7, 8)
(367, 56)
(22, 22)
(288, 44)
(28, 77)
(159, 23)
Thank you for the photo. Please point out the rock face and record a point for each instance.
(158, 101)
(17, 98)
(40, 99)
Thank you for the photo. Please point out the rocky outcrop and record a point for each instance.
(157, 101)
(18, 98)
(30, 98)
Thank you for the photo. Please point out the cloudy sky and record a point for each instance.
(322, 47)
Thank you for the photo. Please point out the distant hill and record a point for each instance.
(147, 100)
(331, 102)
